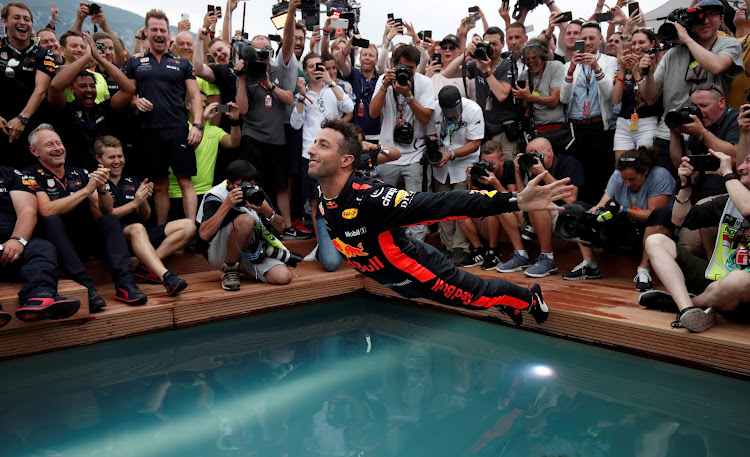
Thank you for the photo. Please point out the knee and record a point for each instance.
(279, 275)
(184, 226)
(109, 222)
(135, 231)
(656, 242)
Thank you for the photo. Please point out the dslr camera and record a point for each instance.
(681, 116)
(403, 133)
(575, 223)
(432, 154)
(479, 170)
(528, 159)
(94, 9)
(264, 53)
(483, 51)
(251, 194)
(686, 17)
(403, 75)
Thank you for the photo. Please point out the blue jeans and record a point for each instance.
(327, 253)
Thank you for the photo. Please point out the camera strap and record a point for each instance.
(399, 107)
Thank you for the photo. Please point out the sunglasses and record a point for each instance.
(448, 48)
(706, 86)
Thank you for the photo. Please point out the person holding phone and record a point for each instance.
(740, 86)
(587, 92)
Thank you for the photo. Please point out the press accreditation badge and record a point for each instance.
(361, 109)
(742, 255)
(587, 108)
(269, 101)
(634, 121)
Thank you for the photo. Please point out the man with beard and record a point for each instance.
(363, 81)
(25, 73)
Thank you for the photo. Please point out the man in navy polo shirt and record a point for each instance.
(76, 210)
(33, 261)
(363, 81)
(162, 81)
(25, 72)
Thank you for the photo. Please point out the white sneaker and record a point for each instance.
(311, 256)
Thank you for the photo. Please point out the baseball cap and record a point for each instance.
(453, 39)
(449, 99)
(710, 4)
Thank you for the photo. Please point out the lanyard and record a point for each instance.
(63, 184)
(31, 48)
(637, 196)
(588, 79)
(536, 88)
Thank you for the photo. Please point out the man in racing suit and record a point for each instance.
(365, 219)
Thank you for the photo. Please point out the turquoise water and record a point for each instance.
(363, 378)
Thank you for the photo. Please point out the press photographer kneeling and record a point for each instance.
(623, 217)
(234, 220)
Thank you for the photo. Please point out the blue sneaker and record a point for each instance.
(516, 263)
(544, 266)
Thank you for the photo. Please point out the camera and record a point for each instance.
(94, 9)
(403, 75)
(251, 194)
(686, 17)
(681, 116)
(575, 223)
(479, 170)
(432, 154)
(283, 255)
(704, 162)
(264, 53)
(528, 159)
(403, 133)
(483, 51)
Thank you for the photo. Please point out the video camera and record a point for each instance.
(255, 70)
(575, 223)
(483, 51)
(686, 17)
(528, 159)
(681, 116)
(432, 154)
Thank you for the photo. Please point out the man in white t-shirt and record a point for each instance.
(458, 126)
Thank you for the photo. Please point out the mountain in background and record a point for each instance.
(125, 23)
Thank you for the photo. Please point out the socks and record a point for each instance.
(549, 255)
(522, 252)
(645, 270)
(591, 263)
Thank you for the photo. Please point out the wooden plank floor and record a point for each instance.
(604, 312)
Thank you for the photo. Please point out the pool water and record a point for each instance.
(363, 377)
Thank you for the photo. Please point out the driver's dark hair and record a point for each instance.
(349, 144)
(645, 159)
(241, 169)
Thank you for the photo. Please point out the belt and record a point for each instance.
(592, 120)
(549, 127)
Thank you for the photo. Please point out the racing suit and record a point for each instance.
(366, 220)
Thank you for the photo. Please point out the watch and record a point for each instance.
(24, 120)
(408, 100)
(730, 176)
(199, 126)
(332, 85)
(21, 240)
(106, 189)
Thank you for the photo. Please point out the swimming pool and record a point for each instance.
(363, 377)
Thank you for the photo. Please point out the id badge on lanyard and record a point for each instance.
(269, 101)
(634, 121)
(587, 108)
(361, 109)
(741, 256)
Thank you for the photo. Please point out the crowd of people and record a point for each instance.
(204, 142)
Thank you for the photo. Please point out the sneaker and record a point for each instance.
(312, 256)
(695, 319)
(658, 300)
(538, 307)
(544, 266)
(303, 227)
(643, 281)
(515, 314)
(130, 293)
(583, 271)
(528, 232)
(491, 260)
(173, 283)
(43, 308)
(4, 318)
(474, 259)
(141, 271)
(230, 279)
(96, 303)
(293, 233)
(516, 263)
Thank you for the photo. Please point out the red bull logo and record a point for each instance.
(348, 250)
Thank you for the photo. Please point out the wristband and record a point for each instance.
(513, 201)
(236, 123)
(681, 201)
(453, 155)
(730, 176)
(487, 74)
(550, 3)
(624, 210)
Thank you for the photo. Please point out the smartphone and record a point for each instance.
(101, 47)
(744, 108)
(566, 17)
(211, 8)
(473, 9)
(340, 23)
(704, 162)
(632, 7)
(361, 43)
(425, 34)
(580, 46)
(185, 17)
(390, 16)
(276, 38)
(603, 17)
(222, 109)
(320, 67)
(521, 83)
(218, 10)
(437, 57)
(398, 22)
(529, 28)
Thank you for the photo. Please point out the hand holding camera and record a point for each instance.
(686, 119)
(530, 162)
(744, 119)
(725, 163)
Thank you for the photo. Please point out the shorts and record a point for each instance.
(165, 148)
(217, 256)
(626, 139)
(270, 159)
(157, 235)
(694, 270)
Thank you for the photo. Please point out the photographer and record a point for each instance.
(702, 56)
(457, 124)
(405, 105)
(696, 287)
(540, 157)
(716, 128)
(637, 188)
(230, 230)
(540, 93)
(587, 92)
(492, 172)
(493, 76)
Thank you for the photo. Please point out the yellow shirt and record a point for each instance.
(102, 92)
(740, 87)
(205, 161)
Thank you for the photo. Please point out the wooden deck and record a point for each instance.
(603, 312)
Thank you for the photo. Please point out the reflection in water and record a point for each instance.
(359, 378)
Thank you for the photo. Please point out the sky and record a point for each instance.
(440, 16)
